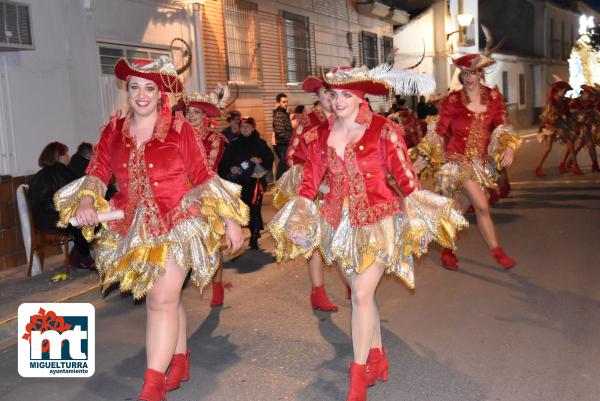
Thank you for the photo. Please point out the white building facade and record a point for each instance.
(538, 39)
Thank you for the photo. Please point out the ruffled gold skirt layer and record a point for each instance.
(286, 186)
(136, 259)
(391, 242)
(451, 176)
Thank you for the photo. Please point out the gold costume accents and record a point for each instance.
(503, 137)
(219, 199)
(299, 215)
(138, 258)
(285, 187)
(451, 176)
(66, 201)
(391, 241)
(431, 149)
(430, 217)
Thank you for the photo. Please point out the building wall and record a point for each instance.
(329, 22)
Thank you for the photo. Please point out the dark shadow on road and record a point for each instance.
(565, 312)
(211, 356)
(419, 372)
(250, 261)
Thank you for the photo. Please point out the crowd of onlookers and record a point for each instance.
(247, 161)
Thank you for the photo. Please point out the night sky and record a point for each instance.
(594, 3)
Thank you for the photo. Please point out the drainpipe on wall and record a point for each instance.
(198, 48)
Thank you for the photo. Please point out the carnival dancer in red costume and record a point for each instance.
(555, 123)
(176, 211)
(200, 109)
(585, 119)
(477, 141)
(286, 187)
(366, 224)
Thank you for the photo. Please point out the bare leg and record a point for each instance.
(592, 152)
(315, 270)
(162, 326)
(547, 149)
(366, 331)
(482, 210)
(181, 347)
(218, 277)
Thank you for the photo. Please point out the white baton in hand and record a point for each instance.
(103, 217)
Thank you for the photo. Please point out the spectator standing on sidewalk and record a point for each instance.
(233, 131)
(282, 128)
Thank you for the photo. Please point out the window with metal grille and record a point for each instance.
(369, 49)
(112, 91)
(505, 85)
(297, 45)
(241, 39)
(15, 26)
(522, 89)
(109, 54)
(387, 45)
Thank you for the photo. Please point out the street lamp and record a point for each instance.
(464, 21)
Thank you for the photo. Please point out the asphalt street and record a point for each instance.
(477, 334)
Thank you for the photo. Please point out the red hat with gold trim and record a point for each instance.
(476, 62)
(380, 80)
(160, 71)
(588, 89)
(560, 85)
(473, 62)
(313, 84)
(211, 103)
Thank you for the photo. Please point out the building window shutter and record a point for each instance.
(369, 49)
(242, 41)
(297, 42)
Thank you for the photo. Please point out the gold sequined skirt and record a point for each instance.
(137, 259)
(286, 186)
(451, 176)
(392, 241)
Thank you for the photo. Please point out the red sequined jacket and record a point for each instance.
(361, 177)
(297, 151)
(468, 133)
(214, 145)
(156, 176)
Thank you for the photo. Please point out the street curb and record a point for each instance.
(8, 327)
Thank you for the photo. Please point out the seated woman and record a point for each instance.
(55, 174)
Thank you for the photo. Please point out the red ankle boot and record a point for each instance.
(357, 389)
(562, 168)
(539, 172)
(377, 366)
(218, 294)
(595, 167)
(569, 164)
(179, 371)
(319, 300)
(576, 169)
(502, 258)
(504, 190)
(155, 386)
(449, 260)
